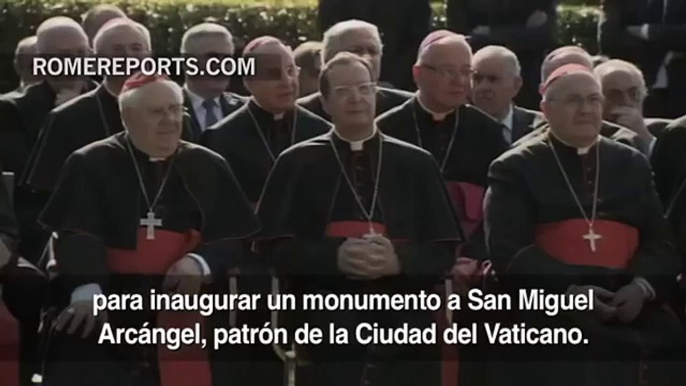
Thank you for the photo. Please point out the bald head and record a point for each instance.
(456, 44)
(97, 16)
(562, 56)
(61, 35)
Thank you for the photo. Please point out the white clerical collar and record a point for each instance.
(579, 150)
(276, 116)
(508, 121)
(197, 100)
(357, 145)
(436, 116)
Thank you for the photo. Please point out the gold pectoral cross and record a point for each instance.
(591, 237)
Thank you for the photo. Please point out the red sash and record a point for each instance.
(468, 200)
(9, 348)
(353, 229)
(564, 241)
(190, 364)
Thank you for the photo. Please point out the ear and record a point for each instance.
(416, 69)
(518, 83)
(544, 107)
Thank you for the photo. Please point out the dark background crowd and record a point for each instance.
(641, 65)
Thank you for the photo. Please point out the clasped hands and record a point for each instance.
(184, 277)
(624, 305)
(368, 258)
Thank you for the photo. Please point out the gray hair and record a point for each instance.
(500, 52)
(55, 24)
(200, 31)
(547, 68)
(332, 36)
(117, 23)
(25, 44)
(614, 65)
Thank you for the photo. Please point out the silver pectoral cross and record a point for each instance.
(591, 237)
(151, 222)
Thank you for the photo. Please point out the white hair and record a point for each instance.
(26, 45)
(118, 23)
(132, 98)
(52, 25)
(203, 30)
(500, 52)
(332, 36)
(618, 65)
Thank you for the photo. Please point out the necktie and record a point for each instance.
(210, 116)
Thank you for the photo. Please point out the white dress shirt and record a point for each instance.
(507, 123)
(199, 109)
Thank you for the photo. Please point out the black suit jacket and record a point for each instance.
(668, 34)
(524, 121)
(229, 102)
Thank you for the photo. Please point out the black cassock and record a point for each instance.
(386, 99)
(463, 149)
(82, 121)
(308, 209)
(538, 239)
(97, 209)
(22, 115)
(250, 147)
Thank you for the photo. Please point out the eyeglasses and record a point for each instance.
(578, 102)
(364, 89)
(450, 72)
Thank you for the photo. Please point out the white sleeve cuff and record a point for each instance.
(86, 292)
(647, 288)
(205, 268)
(645, 31)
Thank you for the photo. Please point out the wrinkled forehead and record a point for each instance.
(272, 54)
(620, 78)
(158, 94)
(447, 51)
(575, 83)
(357, 37)
(348, 74)
(492, 65)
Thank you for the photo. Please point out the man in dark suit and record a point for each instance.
(652, 34)
(205, 98)
(577, 55)
(625, 91)
(496, 82)
(403, 25)
(360, 38)
(23, 58)
(527, 27)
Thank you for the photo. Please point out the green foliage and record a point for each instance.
(291, 20)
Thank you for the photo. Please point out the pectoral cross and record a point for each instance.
(591, 237)
(151, 222)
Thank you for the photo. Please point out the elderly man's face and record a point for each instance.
(205, 48)
(621, 89)
(275, 86)
(495, 85)
(363, 43)
(124, 41)
(155, 124)
(351, 98)
(445, 75)
(65, 42)
(574, 108)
